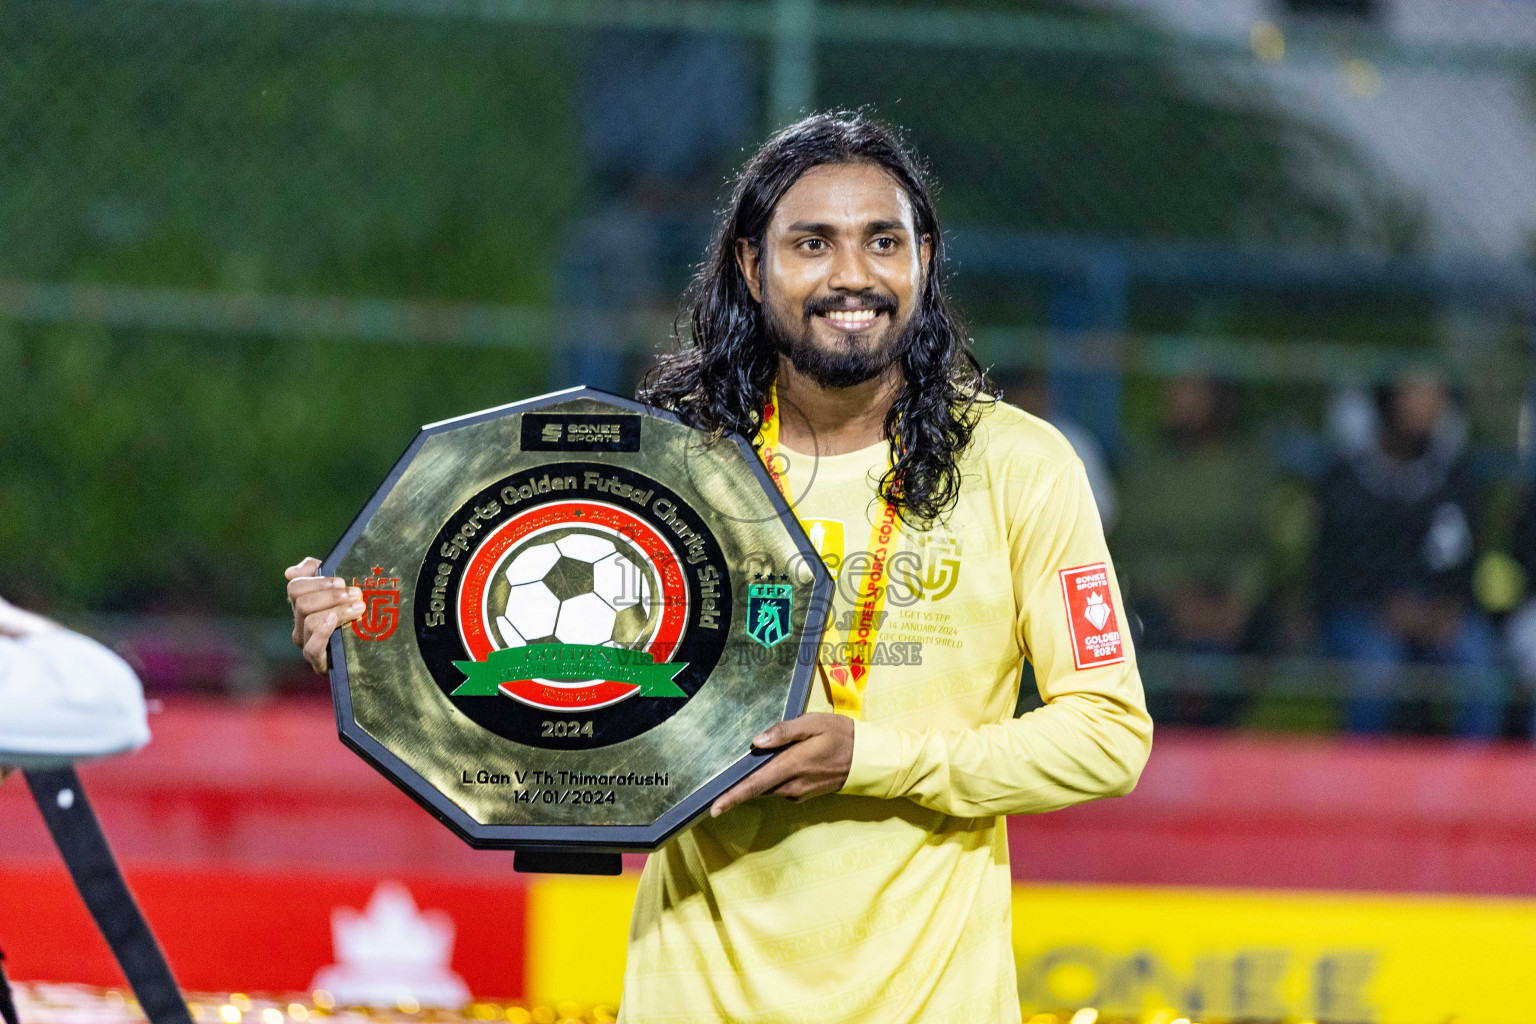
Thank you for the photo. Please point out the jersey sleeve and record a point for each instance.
(1093, 734)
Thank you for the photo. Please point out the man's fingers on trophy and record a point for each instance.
(345, 612)
(765, 780)
(319, 626)
(314, 585)
(307, 566)
(326, 619)
(323, 612)
(340, 600)
(803, 784)
(739, 793)
(784, 733)
(791, 780)
(800, 788)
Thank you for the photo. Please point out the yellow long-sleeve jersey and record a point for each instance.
(889, 901)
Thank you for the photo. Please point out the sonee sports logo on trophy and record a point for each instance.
(571, 593)
(768, 607)
(381, 605)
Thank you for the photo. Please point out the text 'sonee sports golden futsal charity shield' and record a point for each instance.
(579, 611)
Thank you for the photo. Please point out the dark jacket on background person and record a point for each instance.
(1390, 527)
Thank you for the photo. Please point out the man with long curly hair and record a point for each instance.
(879, 890)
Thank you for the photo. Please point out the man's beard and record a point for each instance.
(848, 363)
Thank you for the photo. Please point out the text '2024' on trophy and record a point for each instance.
(579, 611)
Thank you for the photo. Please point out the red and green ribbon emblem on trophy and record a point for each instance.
(543, 674)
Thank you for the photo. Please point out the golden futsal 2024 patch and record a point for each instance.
(1092, 619)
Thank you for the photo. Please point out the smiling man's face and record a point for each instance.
(839, 273)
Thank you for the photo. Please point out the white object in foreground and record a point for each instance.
(64, 697)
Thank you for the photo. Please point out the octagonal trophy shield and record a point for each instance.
(579, 610)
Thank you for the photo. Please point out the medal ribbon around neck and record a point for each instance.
(844, 682)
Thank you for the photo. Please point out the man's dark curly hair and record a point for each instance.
(719, 376)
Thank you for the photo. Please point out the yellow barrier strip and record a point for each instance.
(1232, 954)
(577, 931)
(1162, 953)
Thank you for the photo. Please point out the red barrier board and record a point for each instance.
(226, 930)
(243, 830)
(1395, 815)
(272, 788)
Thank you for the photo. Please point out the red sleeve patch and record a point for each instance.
(1091, 616)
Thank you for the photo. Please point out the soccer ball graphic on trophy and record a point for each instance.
(575, 585)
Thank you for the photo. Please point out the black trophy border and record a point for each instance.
(584, 838)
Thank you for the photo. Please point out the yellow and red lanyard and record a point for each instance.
(844, 679)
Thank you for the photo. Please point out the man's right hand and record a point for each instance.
(320, 604)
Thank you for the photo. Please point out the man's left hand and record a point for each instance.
(817, 753)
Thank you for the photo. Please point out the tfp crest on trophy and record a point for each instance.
(768, 610)
(600, 607)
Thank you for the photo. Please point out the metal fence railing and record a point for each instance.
(1274, 271)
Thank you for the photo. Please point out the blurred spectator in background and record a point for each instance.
(1395, 549)
(1192, 543)
(1025, 388)
(664, 116)
(1520, 629)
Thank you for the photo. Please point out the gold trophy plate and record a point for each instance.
(579, 610)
